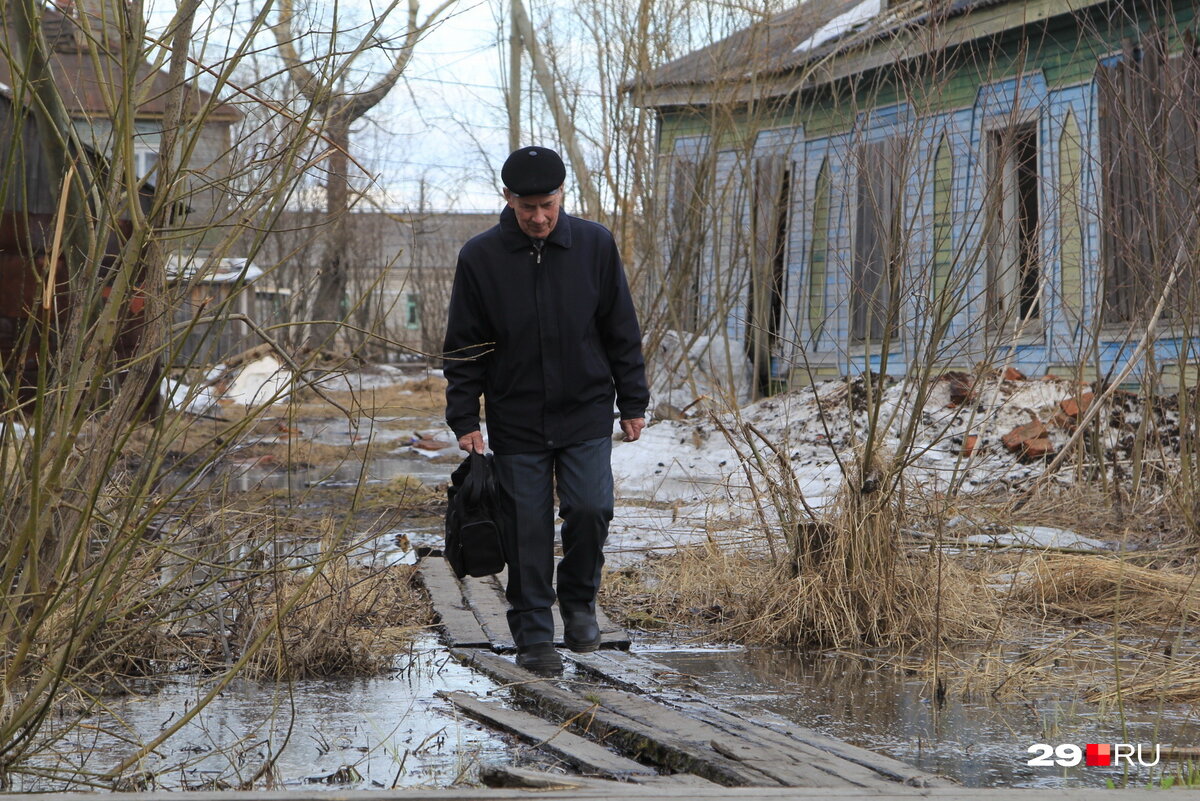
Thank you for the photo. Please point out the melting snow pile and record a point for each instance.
(254, 382)
(996, 432)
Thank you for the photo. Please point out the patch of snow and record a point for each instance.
(191, 399)
(1041, 537)
(12, 428)
(712, 366)
(217, 271)
(372, 376)
(864, 11)
(815, 427)
(261, 381)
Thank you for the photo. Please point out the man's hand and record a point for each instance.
(472, 443)
(633, 428)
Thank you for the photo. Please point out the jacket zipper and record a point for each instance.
(538, 244)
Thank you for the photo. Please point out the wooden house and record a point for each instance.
(89, 81)
(400, 268)
(873, 185)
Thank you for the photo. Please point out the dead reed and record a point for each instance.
(1109, 588)
(1159, 679)
(348, 620)
(846, 582)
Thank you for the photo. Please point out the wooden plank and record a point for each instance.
(886, 766)
(805, 765)
(780, 765)
(486, 597)
(458, 624)
(788, 767)
(775, 765)
(640, 674)
(633, 673)
(508, 776)
(637, 739)
(491, 610)
(585, 755)
(579, 789)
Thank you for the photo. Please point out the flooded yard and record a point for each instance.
(393, 729)
(977, 740)
(383, 731)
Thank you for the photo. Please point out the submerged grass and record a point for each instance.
(352, 620)
(281, 591)
(739, 595)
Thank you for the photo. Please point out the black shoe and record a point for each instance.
(581, 633)
(540, 658)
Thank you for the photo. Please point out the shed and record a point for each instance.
(207, 296)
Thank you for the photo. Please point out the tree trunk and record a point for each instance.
(328, 306)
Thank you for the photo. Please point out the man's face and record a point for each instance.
(536, 214)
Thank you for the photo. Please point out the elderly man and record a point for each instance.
(542, 325)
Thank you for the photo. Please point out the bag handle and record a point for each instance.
(476, 483)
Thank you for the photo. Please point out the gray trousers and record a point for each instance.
(583, 475)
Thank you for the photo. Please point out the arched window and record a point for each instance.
(943, 237)
(818, 255)
(1070, 228)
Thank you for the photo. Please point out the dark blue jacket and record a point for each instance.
(548, 339)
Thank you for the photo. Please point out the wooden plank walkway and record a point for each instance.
(458, 623)
(653, 716)
(631, 671)
(474, 613)
(588, 757)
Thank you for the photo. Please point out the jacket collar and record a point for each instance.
(515, 239)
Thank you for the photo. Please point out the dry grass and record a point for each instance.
(1156, 679)
(1110, 589)
(197, 595)
(421, 396)
(846, 583)
(738, 595)
(348, 620)
(1083, 506)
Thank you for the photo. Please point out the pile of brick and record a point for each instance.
(1030, 441)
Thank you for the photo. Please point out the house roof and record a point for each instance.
(821, 40)
(84, 79)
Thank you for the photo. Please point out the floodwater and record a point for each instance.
(979, 741)
(378, 732)
(394, 731)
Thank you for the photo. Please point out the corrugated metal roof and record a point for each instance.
(798, 37)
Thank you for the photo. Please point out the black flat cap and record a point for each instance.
(533, 171)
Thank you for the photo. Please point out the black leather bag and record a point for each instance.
(474, 546)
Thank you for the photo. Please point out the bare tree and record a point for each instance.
(339, 108)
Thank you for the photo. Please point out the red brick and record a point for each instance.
(1037, 448)
(1016, 439)
(970, 443)
(1013, 374)
(1064, 421)
(960, 387)
(1073, 406)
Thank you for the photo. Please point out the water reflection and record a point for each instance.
(393, 731)
(978, 741)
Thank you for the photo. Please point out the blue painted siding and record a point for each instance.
(1055, 339)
